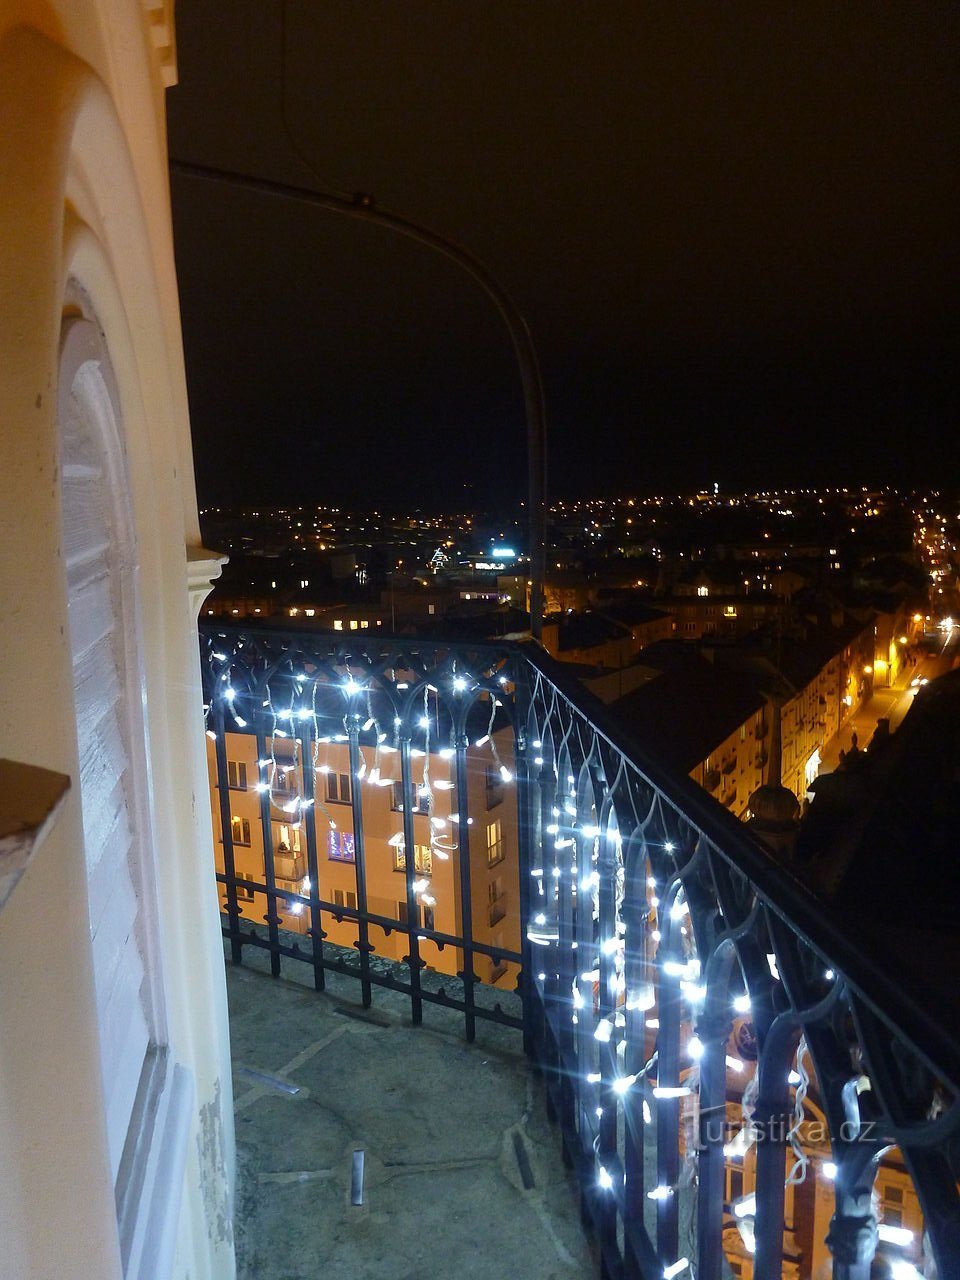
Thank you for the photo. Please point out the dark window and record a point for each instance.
(421, 799)
(237, 775)
(338, 787)
(403, 915)
(494, 784)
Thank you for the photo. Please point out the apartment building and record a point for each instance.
(265, 796)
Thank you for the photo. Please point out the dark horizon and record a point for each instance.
(732, 238)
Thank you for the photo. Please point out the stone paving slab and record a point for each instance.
(463, 1175)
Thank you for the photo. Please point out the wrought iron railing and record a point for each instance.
(729, 1066)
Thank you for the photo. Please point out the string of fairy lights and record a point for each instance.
(580, 843)
(578, 864)
(281, 769)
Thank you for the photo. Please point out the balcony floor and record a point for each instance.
(444, 1125)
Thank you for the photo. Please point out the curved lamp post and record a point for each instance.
(364, 208)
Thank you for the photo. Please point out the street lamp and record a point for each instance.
(363, 207)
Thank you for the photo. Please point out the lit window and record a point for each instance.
(309, 612)
(353, 624)
(341, 846)
(287, 839)
(422, 859)
(364, 624)
(240, 830)
(338, 624)
(494, 843)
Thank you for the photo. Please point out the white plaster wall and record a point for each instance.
(83, 195)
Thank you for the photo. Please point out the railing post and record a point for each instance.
(668, 1109)
(713, 1030)
(409, 875)
(852, 1238)
(226, 830)
(525, 841)
(356, 806)
(772, 1117)
(273, 920)
(313, 859)
(468, 976)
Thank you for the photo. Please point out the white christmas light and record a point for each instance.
(900, 1269)
(747, 1207)
(694, 992)
(695, 1047)
(829, 1169)
(670, 1091)
(772, 965)
(643, 998)
(603, 1031)
(505, 773)
(647, 1113)
(603, 1177)
(742, 1004)
(623, 1084)
(675, 1268)
(481, 741)
(894, 1235)
(229, 693)
(734, 1064)
(211, 735)
(459, 684)
(240, 721)
(660, 1193)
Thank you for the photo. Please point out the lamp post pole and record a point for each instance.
(364, 209)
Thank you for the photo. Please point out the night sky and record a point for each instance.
(731, 228)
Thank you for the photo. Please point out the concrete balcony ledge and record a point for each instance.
(462, 1171)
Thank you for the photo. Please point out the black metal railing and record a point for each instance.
(734, 1072)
